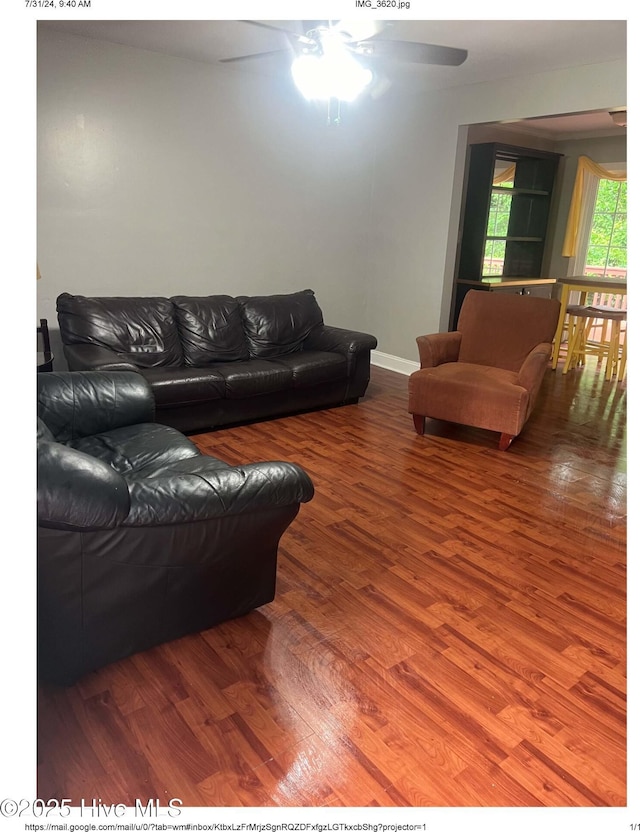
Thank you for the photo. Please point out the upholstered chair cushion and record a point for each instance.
(492, 333)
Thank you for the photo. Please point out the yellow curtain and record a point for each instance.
(506, 175)
(585, 165)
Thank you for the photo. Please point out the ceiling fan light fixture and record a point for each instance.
(308, 77)
(333, 73)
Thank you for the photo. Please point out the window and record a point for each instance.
(596, 236)
(497, 226)
(601, 247)
(606, 253)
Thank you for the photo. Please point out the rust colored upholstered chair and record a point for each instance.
(488, 372)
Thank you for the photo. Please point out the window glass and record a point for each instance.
(497, 226)
(606, 254)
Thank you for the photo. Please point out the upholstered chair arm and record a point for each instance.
(84, 403)
(244, 489)
(439, 348)
(77, 492)
(533, 367)
(94, 357)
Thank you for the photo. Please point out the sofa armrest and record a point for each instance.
(439, 348)
(77, 492)
(244, 489)
(533, 368)
(73, 405)
(334, 339)
(94, 357)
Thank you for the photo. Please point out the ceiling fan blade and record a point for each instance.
(405, 50)
(255, 55)
(295, 40)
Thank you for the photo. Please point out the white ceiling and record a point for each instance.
(497, 49)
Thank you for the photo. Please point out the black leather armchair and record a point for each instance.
(141, 538)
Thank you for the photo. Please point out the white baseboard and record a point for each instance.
(393, 362)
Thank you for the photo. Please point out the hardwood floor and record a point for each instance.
(449, 628)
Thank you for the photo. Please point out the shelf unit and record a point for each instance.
(503, 229)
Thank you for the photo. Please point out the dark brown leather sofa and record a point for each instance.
(218, 360)
(141, 538)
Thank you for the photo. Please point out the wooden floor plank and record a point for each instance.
(449, 628)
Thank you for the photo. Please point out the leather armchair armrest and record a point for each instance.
(185, 497)
(335, 339)
(77, 492)
(439, 348)
(533, 368)
(94, 357)
(73, 405)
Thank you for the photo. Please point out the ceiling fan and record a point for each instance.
(337, 59)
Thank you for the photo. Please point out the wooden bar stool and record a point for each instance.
(580, 321)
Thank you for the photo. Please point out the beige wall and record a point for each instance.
(158, 176)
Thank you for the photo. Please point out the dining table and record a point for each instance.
(583, 284)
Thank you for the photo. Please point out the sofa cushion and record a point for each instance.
(278, 324)
(93, 401)
(255, 377)
(186, 385)
(143, 330)
(310, 368)
(137, 449)
(210, 329)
